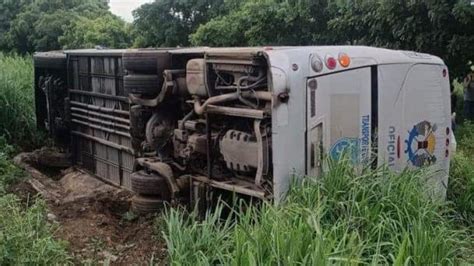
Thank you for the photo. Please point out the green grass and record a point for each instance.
(17, 115)
(26, 238)
(343, 218)
(9, 173)
(461, 183)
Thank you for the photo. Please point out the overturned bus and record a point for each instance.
(174, 125)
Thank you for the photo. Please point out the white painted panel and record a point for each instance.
(415, 124)
(343, 105)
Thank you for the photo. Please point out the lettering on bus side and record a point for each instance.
(392, 146)
(365, 139)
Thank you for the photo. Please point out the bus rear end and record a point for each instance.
(382, 107)
(415, 120)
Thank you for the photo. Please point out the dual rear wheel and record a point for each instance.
(145, 68)
(144, 79)
(152, 192)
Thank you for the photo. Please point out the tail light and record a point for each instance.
(317, 64)
(344, 60)
(331, 62)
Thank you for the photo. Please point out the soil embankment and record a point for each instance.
(93, 217)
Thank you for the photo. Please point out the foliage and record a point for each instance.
(17, 120)
(443, 28)
(168, 23)
(8, 10)
(107, 31)
(9, 173)
(267, 22)
(26, 238)
(39, 25)
(461, 183)
(465, 137)
(342, 218)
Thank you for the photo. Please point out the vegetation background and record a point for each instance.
(439, 27)
(342, 218)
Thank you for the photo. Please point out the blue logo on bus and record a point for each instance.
(345, 147)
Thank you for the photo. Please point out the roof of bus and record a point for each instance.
(380, 55)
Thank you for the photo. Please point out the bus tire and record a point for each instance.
(150, 184)
(148, 85)
(146, 205)
(146, 62)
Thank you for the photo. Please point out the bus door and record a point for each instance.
(339, 117)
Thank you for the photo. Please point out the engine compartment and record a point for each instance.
(210, 120)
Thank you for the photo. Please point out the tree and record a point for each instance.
(37, 25)
(108, 31)
(267, 22)
(170, 22)
(8, 11)
(443, 28)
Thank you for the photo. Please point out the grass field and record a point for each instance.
(343, 218)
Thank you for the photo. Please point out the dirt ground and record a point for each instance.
(94, 218)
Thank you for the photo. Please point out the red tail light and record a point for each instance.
(331, 62)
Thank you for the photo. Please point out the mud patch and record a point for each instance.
(94, 218)
(101, 229)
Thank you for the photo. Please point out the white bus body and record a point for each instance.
(394, 105)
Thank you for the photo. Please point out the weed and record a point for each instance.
(96, 244)
(129, 216)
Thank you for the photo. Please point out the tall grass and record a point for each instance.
(461, 182)
(26, 238)
(342, 218)
(17, 116)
